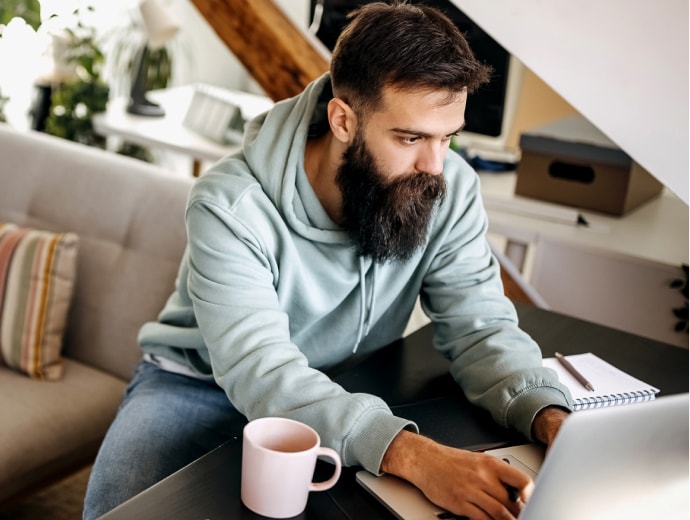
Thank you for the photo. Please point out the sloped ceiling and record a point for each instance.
(622, 63)
(280, 56)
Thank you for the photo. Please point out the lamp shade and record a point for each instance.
(160, 24)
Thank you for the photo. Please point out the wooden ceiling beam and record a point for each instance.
(282, 58)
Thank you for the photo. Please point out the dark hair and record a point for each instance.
(410, 47)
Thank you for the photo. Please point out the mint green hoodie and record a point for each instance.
(271, 294)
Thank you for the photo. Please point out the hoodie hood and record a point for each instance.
(273, 148)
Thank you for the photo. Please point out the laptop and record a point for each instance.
(621, 462)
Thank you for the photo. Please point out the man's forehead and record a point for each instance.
(428, 111)
(393, 95)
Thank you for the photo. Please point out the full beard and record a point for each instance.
(387, 220)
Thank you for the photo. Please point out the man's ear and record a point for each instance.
(342, 120)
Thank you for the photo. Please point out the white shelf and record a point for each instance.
(615, 272)
(168, 132)
(656, 231)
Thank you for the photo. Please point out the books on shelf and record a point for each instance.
(612, 386)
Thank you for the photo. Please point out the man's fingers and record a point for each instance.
(494, 507)
(476, 485)
(512, 487)
(492, 495)
(518, 484)
(513, 493)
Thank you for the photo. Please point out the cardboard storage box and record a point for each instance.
(571, 162)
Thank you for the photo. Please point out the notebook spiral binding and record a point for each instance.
(602, 401)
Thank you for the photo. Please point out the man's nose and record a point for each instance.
(430, 159)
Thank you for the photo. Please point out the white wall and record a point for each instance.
(622, 63)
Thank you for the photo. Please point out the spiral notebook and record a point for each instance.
(612, 386)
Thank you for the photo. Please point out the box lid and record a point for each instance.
(574, 137)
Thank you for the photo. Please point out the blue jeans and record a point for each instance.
(165, 421)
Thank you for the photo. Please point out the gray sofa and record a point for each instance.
(129, 217)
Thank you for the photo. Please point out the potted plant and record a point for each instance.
(3, 102)
(74, 102)
(681, 313)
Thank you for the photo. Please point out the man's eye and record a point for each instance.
(411, 140)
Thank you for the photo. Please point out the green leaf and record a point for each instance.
(29, 10)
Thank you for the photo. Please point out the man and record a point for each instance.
(314, 243)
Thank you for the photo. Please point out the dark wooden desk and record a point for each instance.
(413, 379)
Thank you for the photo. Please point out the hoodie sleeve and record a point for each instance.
(232, 283)
(497, 364)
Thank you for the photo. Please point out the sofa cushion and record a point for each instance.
(37, 270)
(49, 427)
(129, 216)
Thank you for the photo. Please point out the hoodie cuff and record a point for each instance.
(526, 407)
(369, 443)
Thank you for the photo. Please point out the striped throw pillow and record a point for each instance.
(37, 271)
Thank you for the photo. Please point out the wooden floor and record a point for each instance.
(62, 501)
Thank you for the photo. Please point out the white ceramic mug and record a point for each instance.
(278, 460)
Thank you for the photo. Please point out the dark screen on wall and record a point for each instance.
(484, 113)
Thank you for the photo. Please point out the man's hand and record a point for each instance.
(547, 423)
(475, 485)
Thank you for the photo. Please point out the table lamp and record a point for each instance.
(160, 27)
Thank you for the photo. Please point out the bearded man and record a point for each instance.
(313, 243)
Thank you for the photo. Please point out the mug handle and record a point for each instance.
(327, 484)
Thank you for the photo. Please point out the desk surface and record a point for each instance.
(405, 373)
(168, 132)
